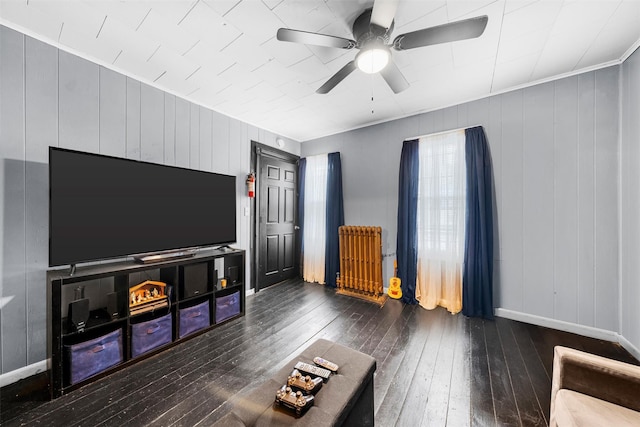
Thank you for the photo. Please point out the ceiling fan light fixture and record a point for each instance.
(373, 59)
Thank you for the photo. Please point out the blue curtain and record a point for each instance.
(335, 218)
(477, 275)
(407, 243)
(302, 168)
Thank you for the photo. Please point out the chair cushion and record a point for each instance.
(577, 409)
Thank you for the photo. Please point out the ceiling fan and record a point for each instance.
(372, 30)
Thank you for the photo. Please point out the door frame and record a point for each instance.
(258, 151)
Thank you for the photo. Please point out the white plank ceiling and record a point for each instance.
(223, 54)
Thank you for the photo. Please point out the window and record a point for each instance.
(442, 195)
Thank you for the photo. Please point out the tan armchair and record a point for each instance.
(589, 390)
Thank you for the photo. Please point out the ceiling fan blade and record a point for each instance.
(337, 78)
(383, 12)
(304, 37)
(459, 30)
(394, 77)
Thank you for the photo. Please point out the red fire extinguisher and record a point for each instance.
(251, 185)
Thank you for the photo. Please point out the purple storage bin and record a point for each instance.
(227, 306)
(94, 356)
(148, 335)
(194, 318)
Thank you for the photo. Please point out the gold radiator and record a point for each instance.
(361, 263)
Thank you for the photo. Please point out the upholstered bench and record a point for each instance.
(345, 399)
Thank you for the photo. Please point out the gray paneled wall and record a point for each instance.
(630, 201)
(51, 98)
(554, 150)
(12, 205)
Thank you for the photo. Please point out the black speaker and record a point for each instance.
(194, 279)
(232, 273)
(112, 305)
(78, 314)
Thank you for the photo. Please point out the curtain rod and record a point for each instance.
(440, 133)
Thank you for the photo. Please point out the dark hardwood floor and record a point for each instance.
(433, 368)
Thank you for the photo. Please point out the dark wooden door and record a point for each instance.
(277, 206)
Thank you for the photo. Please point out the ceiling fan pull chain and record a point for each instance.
(371, 93)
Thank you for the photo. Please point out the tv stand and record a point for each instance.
(189, 286)
(72, 270)
(163, 256)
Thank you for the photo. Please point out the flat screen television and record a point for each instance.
(103, 207)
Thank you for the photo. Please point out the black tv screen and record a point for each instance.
(106, 207)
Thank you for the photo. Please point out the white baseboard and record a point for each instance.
(21, 373)
(630, 347)
(587, 331)
(249, 292)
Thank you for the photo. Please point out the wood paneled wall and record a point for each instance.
(554, 149)
(630, 202)
(49, 97)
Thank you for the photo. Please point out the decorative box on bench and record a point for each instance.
(147, 296)
(194, 318)
(227, 306)
(151, 334)
(93, 356)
